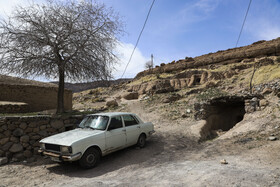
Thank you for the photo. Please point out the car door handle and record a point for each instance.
(138, 127)
(124, 130)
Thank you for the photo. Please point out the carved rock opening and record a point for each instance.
(222, 115)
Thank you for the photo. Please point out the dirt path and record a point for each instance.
(171, 158)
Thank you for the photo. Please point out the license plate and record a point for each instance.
(56, 159)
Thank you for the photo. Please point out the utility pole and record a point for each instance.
(152, 62)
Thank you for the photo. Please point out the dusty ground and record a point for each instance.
(172, 157)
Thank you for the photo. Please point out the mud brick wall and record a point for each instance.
(37, 98)
(20, 136)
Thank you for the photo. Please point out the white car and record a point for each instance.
(97, 135)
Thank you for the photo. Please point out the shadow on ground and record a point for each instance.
(120, 159)
(158, 150)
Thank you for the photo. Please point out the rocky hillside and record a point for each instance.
(212, 69)
(78, 87)
(212, 60)
(221, 88)
(9, 80)
(216, 119)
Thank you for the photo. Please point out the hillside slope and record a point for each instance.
(212, 127)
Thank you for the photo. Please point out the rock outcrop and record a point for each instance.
(204, 69)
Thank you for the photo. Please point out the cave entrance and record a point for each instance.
(222, 115)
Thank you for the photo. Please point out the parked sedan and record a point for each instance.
(97, 135)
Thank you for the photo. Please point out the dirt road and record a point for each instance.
(171, 157)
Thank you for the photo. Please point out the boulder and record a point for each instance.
(24, 139)
(18, 157)
(23, 125)
(27, 154)
(7, 146)
(18, 132)
(43, 127)
(36, 129)
(263, 102)
(57, 124)
(223, 161)
(162, 86)
(16, 148)
(171, 98)
(4, 141)
(112, 103)
(3, 160)
(267, 91)
(130, 95)
(11, 126)
(35, 137)
(43, 133)
(14, 139)
(33, 124)
(7, 133)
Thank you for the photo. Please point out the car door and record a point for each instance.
(132, 127)
(115, 134)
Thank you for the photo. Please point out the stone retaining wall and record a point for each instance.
(14, 108)
(20, 136)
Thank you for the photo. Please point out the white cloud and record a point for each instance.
(191, 12)
(264, 17)
(136, 64)
(269, 33)
(198, 10)
(265, 30)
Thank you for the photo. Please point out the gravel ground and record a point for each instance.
(172, 157)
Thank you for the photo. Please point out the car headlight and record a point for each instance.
(42, 146)
(66, 149)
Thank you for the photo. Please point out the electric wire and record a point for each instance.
(138, 38)
(243, 23)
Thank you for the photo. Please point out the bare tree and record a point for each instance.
(60, 39)
(256, 66)
(149, 65)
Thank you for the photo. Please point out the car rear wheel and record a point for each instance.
(141, 141)
(90, 158)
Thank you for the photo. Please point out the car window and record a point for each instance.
(95, 122)
(129, 120)
(116, 122)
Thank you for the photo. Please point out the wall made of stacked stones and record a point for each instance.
(20, 136)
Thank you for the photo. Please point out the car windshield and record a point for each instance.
(95, 122)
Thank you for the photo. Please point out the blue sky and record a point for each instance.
(180, 28)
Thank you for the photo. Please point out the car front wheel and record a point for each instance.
(90, 158)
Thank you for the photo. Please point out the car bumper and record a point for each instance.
(151, 132)
(57, 157)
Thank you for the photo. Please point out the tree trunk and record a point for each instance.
(251, 81)
(60, 93)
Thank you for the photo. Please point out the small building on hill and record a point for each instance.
(31, 96)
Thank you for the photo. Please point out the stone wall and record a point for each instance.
(20, 136)
(9, 107)
(38, 98)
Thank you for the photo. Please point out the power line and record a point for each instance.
(243, 22)
(138, 38)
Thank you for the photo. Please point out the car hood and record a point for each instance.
(69, 137)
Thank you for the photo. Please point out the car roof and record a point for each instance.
(110, 114)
